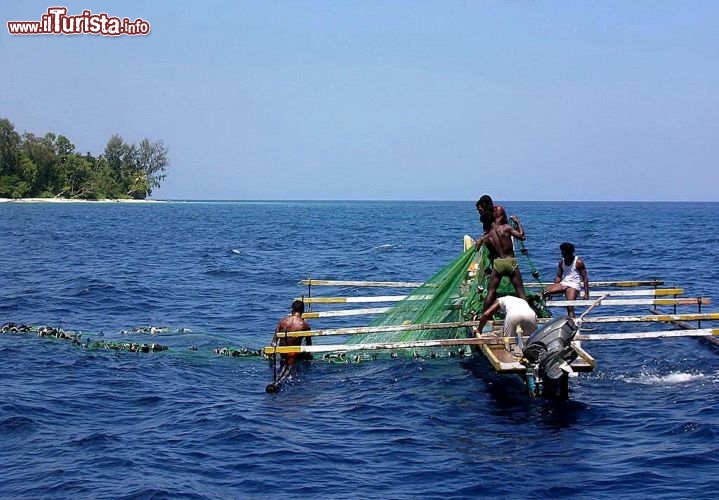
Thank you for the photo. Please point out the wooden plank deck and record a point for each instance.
(505, 362)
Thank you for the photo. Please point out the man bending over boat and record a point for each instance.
(498, 241)
(517, 313)
(293, 323)
(571, 275)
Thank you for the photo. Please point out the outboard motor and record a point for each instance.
(550, 349)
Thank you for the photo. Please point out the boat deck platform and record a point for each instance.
(508, 361)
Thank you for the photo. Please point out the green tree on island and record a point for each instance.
(49, 166)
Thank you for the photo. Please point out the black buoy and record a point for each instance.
(272, 388)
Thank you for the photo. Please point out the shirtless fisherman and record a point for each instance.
(498, 241)
(294, 323)
(488, 211)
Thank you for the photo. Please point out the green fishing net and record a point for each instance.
(456, 293)
(439, 300)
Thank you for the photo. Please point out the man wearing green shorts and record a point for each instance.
(498, 241)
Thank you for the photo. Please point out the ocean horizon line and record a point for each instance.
(329, 200)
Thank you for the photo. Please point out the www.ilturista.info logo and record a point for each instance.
(57, 22)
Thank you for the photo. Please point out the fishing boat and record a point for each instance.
(439, 318)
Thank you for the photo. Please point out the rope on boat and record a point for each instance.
(535, 272)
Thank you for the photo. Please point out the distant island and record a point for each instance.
(49, 167)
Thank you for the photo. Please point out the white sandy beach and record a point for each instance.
(72, 200)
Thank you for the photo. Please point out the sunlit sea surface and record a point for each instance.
(192, 424)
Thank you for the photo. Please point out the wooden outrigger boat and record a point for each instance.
(548, 357)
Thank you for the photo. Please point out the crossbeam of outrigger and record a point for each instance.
(476, 341)
(416, 284)
(653, 318)
(553, 303)
(397, 298)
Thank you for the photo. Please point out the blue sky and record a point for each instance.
(389, 100)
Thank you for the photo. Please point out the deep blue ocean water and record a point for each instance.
(190, 424)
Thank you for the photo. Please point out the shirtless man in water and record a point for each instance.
(294, 323)
(498, 240)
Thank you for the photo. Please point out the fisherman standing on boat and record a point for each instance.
(293, 323)
(485, 207)
(488, 211)
(498, 240)
(571, 275)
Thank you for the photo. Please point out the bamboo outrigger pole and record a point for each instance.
(552, 303)
(350, 300)
(345, 312)
(397, 298)
(688, 301)
(655, 318)
(703, 332)
(376, 284)
(315, 349)
(616, 284)
(414, 284)
(659, 318)
(376, 329)
(482, 340)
